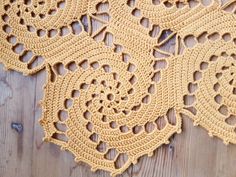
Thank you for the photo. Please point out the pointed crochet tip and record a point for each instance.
(77, 160)
(167, 142)
(179, 131)
(46, 139)
(114, 174)
(150, 154)
(134, 161)
(44, 86)
(63, 148)
(210, 134)
(93, 169)
(195, 123)
(25, 74)
(41, 121)
(226, 142)
(40, 103)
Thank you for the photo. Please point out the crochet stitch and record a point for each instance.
(114, 92)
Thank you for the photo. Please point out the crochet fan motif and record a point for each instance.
(114, 92)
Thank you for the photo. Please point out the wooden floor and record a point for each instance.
(23, 154)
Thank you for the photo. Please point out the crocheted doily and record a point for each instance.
(114, 91)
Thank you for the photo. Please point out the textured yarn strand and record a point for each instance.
(122, 73)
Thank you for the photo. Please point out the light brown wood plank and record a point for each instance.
(190, 154)
(16, 147)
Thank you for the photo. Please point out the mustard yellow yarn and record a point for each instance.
(113, 87)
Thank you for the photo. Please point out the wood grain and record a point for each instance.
(190, 154)
(23, 154)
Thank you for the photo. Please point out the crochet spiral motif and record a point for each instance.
(113, 88)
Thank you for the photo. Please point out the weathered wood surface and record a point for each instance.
(23, 154)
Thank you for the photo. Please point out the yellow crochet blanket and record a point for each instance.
(122, 73)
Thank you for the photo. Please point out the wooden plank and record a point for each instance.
(192, 153)
(23, 154)
(16, 147)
